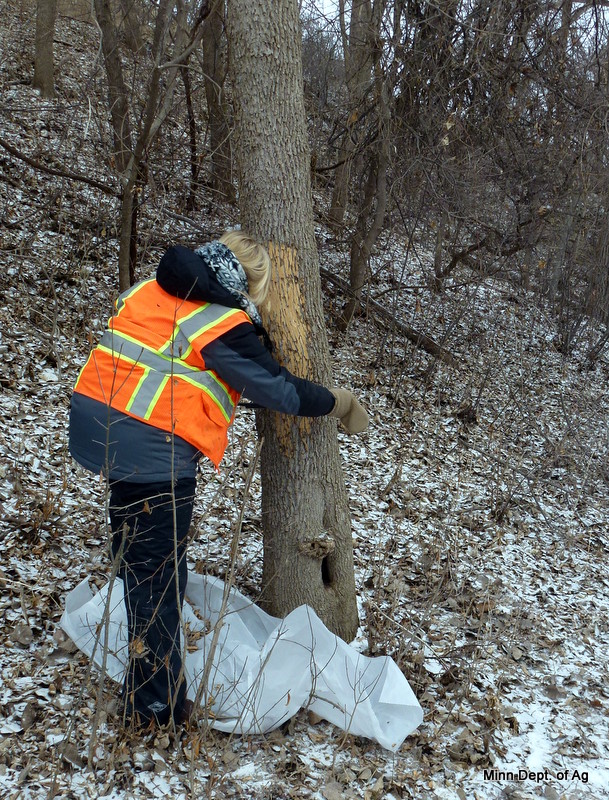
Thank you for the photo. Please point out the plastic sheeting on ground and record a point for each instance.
(263, 669)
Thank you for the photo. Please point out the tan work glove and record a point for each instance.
(350, 411)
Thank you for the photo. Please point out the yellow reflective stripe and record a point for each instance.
(120, 300)
(157, 370)
(147, 414)
(134, 351)
(192, 325)
(169, 345)
(219, 317)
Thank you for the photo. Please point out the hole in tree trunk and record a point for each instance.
(326, 574)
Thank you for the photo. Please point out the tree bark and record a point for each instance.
(372, 203)
(191, 203)
(121, 127)
(438, 278)
(117, 91)
(156, 104)
(358, 54)
(368, 227)
(215, 68)
(131, 25)
(308, 554)
(46, 14)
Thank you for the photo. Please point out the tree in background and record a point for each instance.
(478, 127)
(172, 41)
(44, 70)
(359, 40)
(370, 185)
(215, 67)
(308, 556)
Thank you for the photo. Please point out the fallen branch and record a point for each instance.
(416, 337)
(61, 173)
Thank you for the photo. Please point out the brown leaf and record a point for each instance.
(28, 716)
(333, 791)
(70, 754)
(22, 634)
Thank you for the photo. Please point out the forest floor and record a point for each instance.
(479, 499)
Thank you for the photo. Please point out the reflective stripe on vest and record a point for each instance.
(120, 300)
(149, 365)
(158, 369)
(190, 327)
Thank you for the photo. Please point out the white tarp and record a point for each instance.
(264, 669)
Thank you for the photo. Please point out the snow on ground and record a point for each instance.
(479, 500)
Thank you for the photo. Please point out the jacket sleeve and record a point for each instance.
(242, 361)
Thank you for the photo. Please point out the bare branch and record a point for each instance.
(61, 173)
(416, 337)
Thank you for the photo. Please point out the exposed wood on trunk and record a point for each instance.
(308, 550)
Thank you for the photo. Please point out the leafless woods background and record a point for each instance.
(480, 125)
(460, 190)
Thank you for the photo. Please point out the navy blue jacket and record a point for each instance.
(103, 439)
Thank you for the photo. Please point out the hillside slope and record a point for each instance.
(479, 497)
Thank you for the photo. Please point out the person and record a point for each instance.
(158, 392)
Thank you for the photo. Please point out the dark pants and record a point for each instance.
(149, 540)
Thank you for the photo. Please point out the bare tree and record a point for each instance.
(44, 71)
(129, 145)
(215, 66)
(358, 49)
(371, 196)
(131, 25)
(308, 554)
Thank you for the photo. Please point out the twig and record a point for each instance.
(192, 224)
(228, 584)
(419, 339)
(62, 173)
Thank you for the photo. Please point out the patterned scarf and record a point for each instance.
(229, 274)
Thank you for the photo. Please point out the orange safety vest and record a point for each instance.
(148, 365)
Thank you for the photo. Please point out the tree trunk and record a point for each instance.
(117, 92)
(340, 192)
(308, 556)
(191, 203)
(368, 227)
(597, 300)
(121, 127)
(131, 25)
(358, 53)
(372, 203)
(214, 68)
(155, 107)
(438, 278)
(46, 13)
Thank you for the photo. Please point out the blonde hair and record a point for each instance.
(255, 261)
